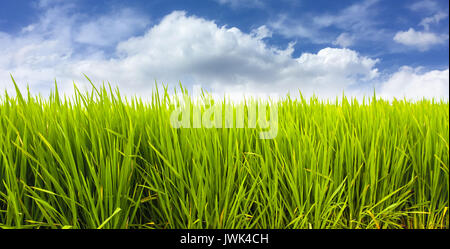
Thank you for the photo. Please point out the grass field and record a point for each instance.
(99, 160)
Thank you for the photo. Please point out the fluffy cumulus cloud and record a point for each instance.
(50, 48)
(197, 51)
(423, 40)
(192, 50)
(413, 84)
(426, 39)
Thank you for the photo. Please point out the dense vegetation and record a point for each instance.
(99, 160)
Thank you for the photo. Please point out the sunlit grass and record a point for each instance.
(98, 160)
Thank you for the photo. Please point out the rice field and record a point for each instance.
(100, 160)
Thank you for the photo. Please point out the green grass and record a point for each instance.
(99, 160)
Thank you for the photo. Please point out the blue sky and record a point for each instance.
(400, 48)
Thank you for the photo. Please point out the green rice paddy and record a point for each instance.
(100, 160)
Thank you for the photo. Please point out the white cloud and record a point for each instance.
(182, 48)
(195, 50)
(435, 19)
(344, 40)
(418, 39)
(48, 49)
(412, 84)
(261, 32)
(112, 28)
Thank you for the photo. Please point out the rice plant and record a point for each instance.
(101, 160)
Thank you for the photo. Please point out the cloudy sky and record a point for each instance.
(398, 48)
